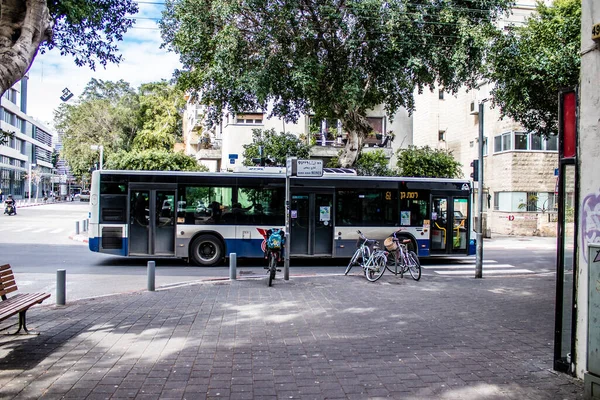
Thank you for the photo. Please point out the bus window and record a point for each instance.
(413, 208)
(205, 205)
(264, 206)
(375, 207)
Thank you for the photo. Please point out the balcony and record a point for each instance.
(331, 148)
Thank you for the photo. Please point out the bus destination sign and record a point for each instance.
(309, 167)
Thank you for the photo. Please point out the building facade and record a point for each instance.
(519, 168)
(26, 157)
(586, 273)
(221, 148)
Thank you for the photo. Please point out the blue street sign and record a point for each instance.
(233, 156)
(232, 161)
(555, 171)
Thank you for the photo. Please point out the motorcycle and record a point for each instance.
(9, 209)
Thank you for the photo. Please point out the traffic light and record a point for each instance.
(475, 173)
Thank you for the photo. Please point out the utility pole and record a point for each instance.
(479, 236)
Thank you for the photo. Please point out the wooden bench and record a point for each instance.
(18, 303)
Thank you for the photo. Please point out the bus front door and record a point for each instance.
(449, 225)
(152, 222)
(312, 224)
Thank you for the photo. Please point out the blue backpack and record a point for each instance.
(275, 240)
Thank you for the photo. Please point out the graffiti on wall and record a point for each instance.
(590, 221)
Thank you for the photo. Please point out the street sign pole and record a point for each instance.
(479, 235)
(289, 170)
(288, 233)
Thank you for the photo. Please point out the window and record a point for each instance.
(441, 136)
(485, 146)
(377, 124)
(258, 205)
(441, 94)
(250, 118)
(552, 143)
(8, 117)
(371, 207)
(524, 201)
(521, 141)
(524, 141)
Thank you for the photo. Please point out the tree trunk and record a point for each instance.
(357, 126)
(24, 25)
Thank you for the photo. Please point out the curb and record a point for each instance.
(79, 238)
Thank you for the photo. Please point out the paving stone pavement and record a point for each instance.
(319, 337)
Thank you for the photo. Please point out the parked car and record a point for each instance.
(84, 195)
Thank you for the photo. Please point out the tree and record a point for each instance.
(114, 115)
(427, 162)
(277, 146)
(105, 114)
(153, 160)
(87, 30)
(36, 178)
(530, 63)
(373, 163)
(328, 58)
(160, 106)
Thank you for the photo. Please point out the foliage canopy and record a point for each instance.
(131, 125)
(276, 146)
(327, 58)
(86, 30)
(427, 162)
(530, 63)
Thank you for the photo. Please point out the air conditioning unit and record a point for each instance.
(474, 108)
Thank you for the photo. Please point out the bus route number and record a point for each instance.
(409, 195)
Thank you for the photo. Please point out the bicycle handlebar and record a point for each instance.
(398, 240)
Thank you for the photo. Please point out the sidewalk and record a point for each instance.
(323, 337)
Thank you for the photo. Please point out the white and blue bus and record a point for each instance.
(203, 217)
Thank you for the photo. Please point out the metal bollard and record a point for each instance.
(61, 282)
(77, 227)
(232, 266)
(151, 275)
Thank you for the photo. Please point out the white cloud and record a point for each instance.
(143, 61)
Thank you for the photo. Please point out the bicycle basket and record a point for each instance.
(390, 245)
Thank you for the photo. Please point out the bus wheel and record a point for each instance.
(206, 250)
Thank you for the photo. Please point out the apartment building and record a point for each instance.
(519, 168)
(221, 148)
(30, 147)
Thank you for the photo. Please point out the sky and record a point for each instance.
(143, 61)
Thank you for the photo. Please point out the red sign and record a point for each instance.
(569, 122)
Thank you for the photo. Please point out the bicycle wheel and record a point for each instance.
(414, 266)
(354, 260)
(272, 267)
(375, 271)
(393, 263)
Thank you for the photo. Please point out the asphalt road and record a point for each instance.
(37, 243)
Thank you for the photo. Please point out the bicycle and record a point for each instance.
(273, 254)
(406, 259)
(372, 260)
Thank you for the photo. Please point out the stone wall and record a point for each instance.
(523, 223)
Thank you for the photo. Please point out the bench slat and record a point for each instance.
(19, 303)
